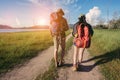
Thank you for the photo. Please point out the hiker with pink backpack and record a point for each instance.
(58, 26)
(82, 33)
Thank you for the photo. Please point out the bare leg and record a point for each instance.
(63, 49)
(56, 57)
(56, 46)
(75, 58)
(81, 54)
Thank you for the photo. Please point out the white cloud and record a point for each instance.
(34, 1)
(53, 4)
(93, 15)
(67, 2)
(45, 7)
(46, 4)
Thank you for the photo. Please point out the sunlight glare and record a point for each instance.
(42, 22)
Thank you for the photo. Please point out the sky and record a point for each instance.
(25, 13)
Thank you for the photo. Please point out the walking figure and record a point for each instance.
(58, 27)
(82, 32)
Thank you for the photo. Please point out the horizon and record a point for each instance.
(23, 13)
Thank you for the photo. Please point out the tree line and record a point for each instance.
(114, 23)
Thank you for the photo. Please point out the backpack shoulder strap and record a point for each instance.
(91, 32)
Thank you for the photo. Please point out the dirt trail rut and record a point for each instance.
(33, 68)
(86, 72)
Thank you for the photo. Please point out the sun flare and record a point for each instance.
(42, 22)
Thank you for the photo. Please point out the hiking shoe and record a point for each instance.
(56, 64)
(61, 62)
(74, 68)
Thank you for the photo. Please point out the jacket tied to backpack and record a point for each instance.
(82, 35)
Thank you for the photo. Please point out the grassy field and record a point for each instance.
(16, 48)
(105, 49)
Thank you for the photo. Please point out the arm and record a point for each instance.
(74, 32)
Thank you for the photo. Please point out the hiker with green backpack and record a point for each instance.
(82, 33)
(58, 26)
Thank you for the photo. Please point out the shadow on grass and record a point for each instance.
(100, 59)
(104, 58)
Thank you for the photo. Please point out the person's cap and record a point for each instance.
(60, 11)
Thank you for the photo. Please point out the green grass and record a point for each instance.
(68, 32)
(105, 49)
(52, 74)
(16, 48)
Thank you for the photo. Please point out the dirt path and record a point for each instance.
(86, 72)
(33, 68)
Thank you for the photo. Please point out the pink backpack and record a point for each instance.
(83, 38)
